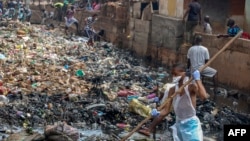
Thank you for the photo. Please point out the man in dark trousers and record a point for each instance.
(194, 18)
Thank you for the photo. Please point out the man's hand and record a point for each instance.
(155, 113)
(218, 36)
(197, 75)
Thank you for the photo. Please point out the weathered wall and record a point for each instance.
(218, 10)
(172, 8)
(112, 18)
(233, 65)
(247, 15)
(166, 31)
(139, 29)
(141, 32)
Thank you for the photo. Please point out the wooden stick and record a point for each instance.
(137, 127)
(189, 81)
(206, 65)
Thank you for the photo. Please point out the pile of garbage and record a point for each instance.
(47, 78)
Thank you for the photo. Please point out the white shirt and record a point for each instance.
(207, 28)
(197, 55)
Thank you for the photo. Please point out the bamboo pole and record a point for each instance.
(188, 82)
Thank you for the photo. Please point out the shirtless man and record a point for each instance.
(187, 126)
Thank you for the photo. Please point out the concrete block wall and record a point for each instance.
(140, 30)
(166, 31)
(141, 36)
(113, 19)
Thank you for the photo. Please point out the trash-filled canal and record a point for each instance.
(51, 80)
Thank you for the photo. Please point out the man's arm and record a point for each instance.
(163, 112)
(186, 13)
(200, 90)
(170, 93)
(200, 13)
(223, 35)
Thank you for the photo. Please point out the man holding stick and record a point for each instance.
(187, 126)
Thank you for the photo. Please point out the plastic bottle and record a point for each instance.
(130, 97)
(122, 125)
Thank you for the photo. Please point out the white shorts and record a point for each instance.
(209, 72)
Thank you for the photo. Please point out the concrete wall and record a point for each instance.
(218, 10)
(233, 65)
(166, 31)
(247, 16)
(171, 8)
(141, 36)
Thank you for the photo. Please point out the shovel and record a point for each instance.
(168, 101)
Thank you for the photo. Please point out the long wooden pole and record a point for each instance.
(188, 82)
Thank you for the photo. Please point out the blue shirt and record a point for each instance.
(194, 11)
(232, 31)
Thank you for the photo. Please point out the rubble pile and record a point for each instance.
(46, 78)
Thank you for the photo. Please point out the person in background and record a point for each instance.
(198, 56)
(11, 4)
(45, 16)
(194, 18)
(10, 12)
(207, 25)
(97, 6)
(69, 19)
(89, 30)
(94, 4)
(232, 30)
(187, 126)
(59, 10)
(28, 13)
(21, 15)
(66, 4)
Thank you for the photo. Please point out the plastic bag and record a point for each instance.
(137, 107)
(188, 130)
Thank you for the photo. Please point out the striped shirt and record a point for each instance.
(89, 23)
